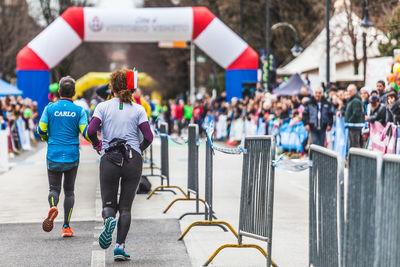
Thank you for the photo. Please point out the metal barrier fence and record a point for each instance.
(369, 233)
(165, 164)
(152, 166)
(325, 178)
(209, 212)
(359, 236)
(193, 159)
(257, 196)
(387, 248)
(193, 172)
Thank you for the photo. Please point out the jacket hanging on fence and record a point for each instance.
(292, 137)
(237, 127)
(221, 127)
(340, 137)
(383, 139)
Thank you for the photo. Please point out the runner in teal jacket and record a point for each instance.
(60, 125)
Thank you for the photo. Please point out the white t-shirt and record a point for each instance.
(118, 123)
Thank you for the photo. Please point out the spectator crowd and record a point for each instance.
(310, 115)
(297, 120)
(18, 118)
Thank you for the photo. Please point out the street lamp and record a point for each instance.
(365, 24)
(296, 49)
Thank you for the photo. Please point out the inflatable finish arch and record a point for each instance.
(78, 24)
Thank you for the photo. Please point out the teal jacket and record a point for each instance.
(60, 125)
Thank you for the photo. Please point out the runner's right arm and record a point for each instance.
(83, 125)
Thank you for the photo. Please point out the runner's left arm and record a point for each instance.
(43, 125)
(94, 125)
(83, 125)
(144, 127)
(147, 135)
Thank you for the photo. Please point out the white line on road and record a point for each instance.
(98, 258)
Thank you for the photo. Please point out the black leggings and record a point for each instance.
(55, 189)
(110, 176)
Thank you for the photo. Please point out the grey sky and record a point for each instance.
(34, 6)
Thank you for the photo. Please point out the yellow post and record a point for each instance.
(166, 186)
(238, 246)
(182, 199)
(208, 223)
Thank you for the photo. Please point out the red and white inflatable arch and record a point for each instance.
(78, 24)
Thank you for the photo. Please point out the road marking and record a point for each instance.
(98, 210)
(98, 258)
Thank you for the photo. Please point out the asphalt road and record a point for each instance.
(150, 243)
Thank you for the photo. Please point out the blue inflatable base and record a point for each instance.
(234, 80)
(35, 85)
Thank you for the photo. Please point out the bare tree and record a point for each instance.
(16, 29)
(354, 11)
(352, 34)
(50, 10)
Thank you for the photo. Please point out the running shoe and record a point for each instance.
(66, 231)
(120, 255)
(48, 223)
(105, 237)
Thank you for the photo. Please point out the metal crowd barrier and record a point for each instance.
(165, 165)
(193, 172)
(325, 181)
(359, 236)
(387, 248)
(152, 166)
(209, 213)
(257, 196)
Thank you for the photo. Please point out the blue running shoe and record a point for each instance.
(105, 238)
(120, 255)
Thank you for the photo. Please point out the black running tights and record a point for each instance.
(55, 189)
(111, 176)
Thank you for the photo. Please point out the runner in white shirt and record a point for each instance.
(121, 160)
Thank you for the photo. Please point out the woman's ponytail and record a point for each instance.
(125, 96)
(119, 86)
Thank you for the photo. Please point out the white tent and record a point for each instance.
(312, 59)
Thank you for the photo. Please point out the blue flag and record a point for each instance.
(340, 137)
